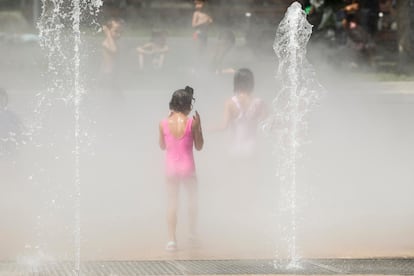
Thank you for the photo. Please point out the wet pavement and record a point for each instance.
(220, 267)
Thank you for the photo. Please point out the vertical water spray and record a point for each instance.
(60, 37)
(77, 98)
(287, 125)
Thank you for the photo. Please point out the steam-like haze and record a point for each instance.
(354, 180)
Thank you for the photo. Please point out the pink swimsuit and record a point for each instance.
(179, 152)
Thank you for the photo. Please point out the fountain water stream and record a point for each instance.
(287, 124)
(60, 37)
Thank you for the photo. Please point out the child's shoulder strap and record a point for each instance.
(189, 124)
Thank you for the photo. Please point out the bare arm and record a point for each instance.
(161, 140)
(197, 132)
(351, 7)
(227, 115)
(109, 42)
(145, 49)
(194, 21)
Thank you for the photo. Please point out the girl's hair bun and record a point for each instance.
(189, 90)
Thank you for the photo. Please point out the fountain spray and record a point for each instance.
(60, 26)
(287, 125)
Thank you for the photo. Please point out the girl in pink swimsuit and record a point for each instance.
(178, 135)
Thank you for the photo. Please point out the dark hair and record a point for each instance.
(182, 99)
(203, 2)
(243, 80)
(113, 20)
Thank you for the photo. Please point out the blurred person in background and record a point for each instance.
(359, 41)
(155, 50)
(242, 114)
(242, 152)
(200, 23)
(112, 31)
(368, 15)
(387, 15)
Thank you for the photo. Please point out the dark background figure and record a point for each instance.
(321, 15)
(368, 15)
(387, 13)
(346, 9)
(359, 41)
(315, 13)
(365, 13)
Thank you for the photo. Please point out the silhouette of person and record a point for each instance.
(112, 30)
(200, 22)
(242, 114)
(155, 50)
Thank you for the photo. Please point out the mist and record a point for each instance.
(354, 182)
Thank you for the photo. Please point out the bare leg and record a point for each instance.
(161, 61)
(192, 192)
(172, 207)
(141, 60)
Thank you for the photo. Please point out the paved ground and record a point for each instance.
(221, 267)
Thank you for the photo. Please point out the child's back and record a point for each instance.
(179, 146)
(248, 111)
